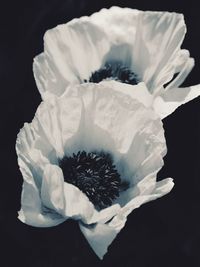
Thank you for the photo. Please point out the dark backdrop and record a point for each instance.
(163, 233)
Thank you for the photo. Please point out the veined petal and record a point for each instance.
(173, 98)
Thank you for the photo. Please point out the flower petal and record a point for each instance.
(167, 103)
(162, 188)
(65, 59)
(59, 123)
(105, 215)
(32, 212)
(186, 68)
(77, 204)
(120, 114)
(138, 92)
(99, 237)
(52, 189)
(145, 153)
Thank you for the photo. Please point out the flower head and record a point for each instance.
(92, 155)
(122, 44)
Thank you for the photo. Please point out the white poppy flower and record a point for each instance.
(123, 44)
(92, 155)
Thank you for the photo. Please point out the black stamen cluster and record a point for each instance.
(116, 72)
(94, 174)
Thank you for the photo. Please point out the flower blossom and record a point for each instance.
(122, 44)
(92, 155)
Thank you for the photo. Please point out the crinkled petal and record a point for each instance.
(31, 161)
(167, 103)
(138, 92)
(120, 115)
(67, 49)
(59, 123)
(108, 114)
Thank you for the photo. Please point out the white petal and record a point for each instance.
(77, 204)
(143, 184)
(52, 189)
(138, 92)
(145, 153)
(32, 212)
(120, 115)
(186, 68)
(99, 236)
(32, 161)
(59, 121)
(105, 215)
(167, 103)
(65, 59)
(162, 188)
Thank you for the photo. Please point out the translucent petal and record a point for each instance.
(173, 98)
(160, 189)
(32, 212)
(67, 49)
(77, 204)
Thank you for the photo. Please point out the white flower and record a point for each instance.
(146, 43)
(96, 119)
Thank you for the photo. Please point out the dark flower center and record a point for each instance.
(115, 71)
(94, 174)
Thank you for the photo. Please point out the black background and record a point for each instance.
(163, 233)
